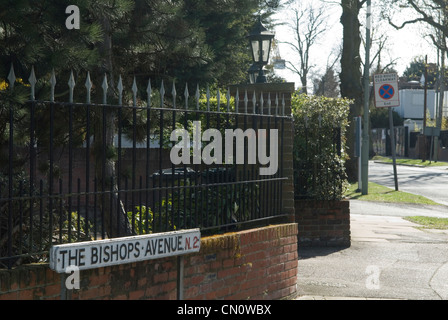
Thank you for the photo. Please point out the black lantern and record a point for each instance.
(260, 40)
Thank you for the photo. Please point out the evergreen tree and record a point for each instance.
(416, 70)
(34, 33)
(327, 85)
(192, 40)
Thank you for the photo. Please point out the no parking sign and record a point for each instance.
(386, 90)
(387, 96)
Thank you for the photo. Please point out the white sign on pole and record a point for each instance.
(103, 253)
(386, 90)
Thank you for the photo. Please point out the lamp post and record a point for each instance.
(365, 132)
(253, 73)
(260, 40)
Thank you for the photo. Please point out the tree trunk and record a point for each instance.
(304, 81)
(351, 76)
(115, 219)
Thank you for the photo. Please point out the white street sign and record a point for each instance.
(103, 253)
(386, 90)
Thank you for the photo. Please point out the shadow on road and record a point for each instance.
(312, 252)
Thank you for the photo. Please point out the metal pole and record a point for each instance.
(66, 294)
(431, 149)
(393, 146)
(63, 287)
(180, 278)
(441, 99)
(358, 135)
(425, 108)
(365, 132)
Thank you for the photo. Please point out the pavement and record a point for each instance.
(389, 258)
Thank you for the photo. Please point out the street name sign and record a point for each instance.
(103, 253)
(386, 90)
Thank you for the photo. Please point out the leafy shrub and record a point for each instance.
(320, 127)
(144, 221)
(214, 208)
(29, 229)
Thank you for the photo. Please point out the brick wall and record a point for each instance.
(284, 92)
(254, 264)
(323, 223)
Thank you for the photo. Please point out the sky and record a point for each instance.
(404, 45)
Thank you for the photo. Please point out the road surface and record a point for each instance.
(431, 183)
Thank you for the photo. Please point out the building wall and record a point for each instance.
(412, 104)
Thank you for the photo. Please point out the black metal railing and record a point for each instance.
(84, 171)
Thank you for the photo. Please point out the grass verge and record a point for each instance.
(429, 222)
(384, 194)
(413, 162)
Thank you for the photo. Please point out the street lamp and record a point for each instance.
(253, 73)
(260, 40)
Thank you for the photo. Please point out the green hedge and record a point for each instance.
(320, 128)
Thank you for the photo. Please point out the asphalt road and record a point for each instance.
(431, 183)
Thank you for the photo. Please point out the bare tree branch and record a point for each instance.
(308, 25)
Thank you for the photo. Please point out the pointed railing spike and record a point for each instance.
(269, 103)
(186, 95)
(120, 86)
(134, 86)
(237, 101)
(246, 100)
(105, 86)
(162, 95)
(228, 100)
(33, 81)
(53, 85)
(174, 94)
(148, 93)
(283, 106)
(208, 98)
(218, 103)
(88, 86)
(276, 104)
(134, 92)
(198, 96)
(261, 103)
(71, 85)
(11, 77)
(120, 90)
(254, 103)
